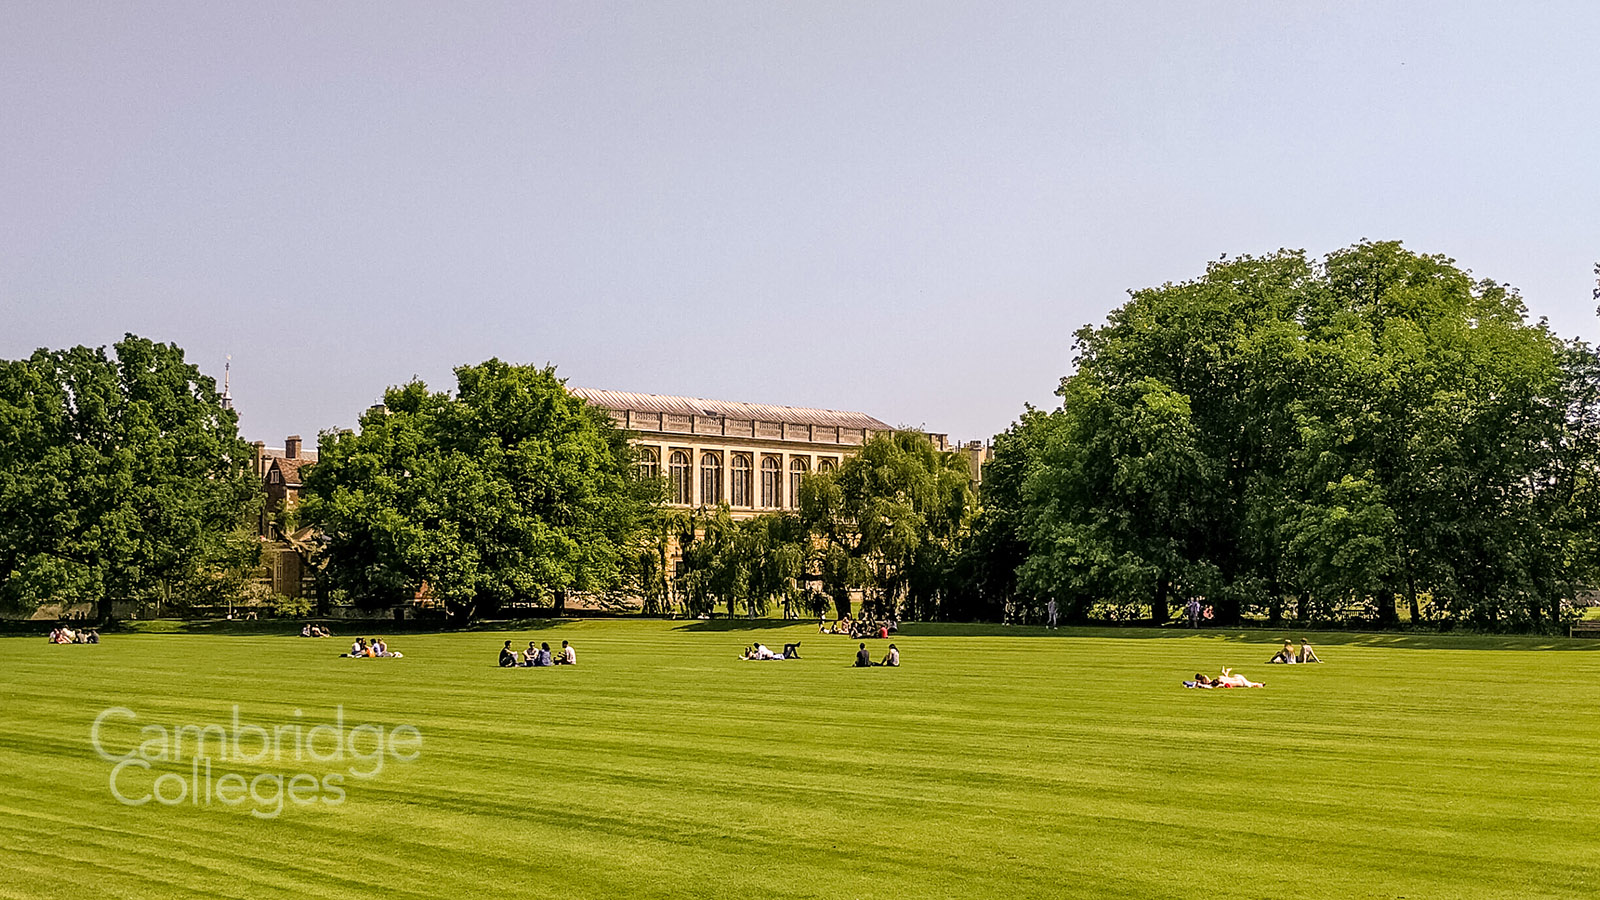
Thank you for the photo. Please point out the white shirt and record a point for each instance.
(570, 655)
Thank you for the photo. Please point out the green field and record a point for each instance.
(996, 763)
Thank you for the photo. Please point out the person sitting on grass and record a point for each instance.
(542, 658)
(892, 658)
(508, 657)
(381, 648)
(567, 656)
(529, 655)
(93, 638)
(1307, 655)
(306, 631)
(1286, 655)
(863, 658)
(357, 649)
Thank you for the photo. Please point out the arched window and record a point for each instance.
(740, 469)
(797, 471)
(827, 464)
(710, 478)
(649, 464)
(771, 482)
(678, 473)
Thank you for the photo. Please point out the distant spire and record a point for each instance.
(227, 395)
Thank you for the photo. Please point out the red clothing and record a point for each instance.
(883, 631)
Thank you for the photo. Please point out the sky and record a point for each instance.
(904, 209)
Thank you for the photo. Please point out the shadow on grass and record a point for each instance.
(1399, 640)
(730, 625)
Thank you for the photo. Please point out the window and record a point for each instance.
(771, 481)
(797, 471)
(710, 478)
(827, 464)
(678, 472)
(741, 480)
(649, 464)
(273, 477)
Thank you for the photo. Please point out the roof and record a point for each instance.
(699, 406)
(290, 469)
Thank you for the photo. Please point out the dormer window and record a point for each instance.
(273, 477)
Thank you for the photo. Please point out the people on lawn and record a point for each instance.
(1228, 679)
(1289, 655)
(508, 656)
(863, 658)
(567, 656)
(542, 658)
(892, 658)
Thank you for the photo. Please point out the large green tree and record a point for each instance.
(121, 474)
(510, 489)
(1327, 438)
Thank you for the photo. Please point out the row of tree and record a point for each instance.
(1350, 438)
(1322, 441)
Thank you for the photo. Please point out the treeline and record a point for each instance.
(1326, 441)
(1365, 438)
(1369, 437)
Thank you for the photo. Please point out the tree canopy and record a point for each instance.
(511, 489)
(1315, 439)
(120, 474)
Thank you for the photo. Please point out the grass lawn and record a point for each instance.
(996, 763)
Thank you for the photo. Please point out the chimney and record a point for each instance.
(291, 447)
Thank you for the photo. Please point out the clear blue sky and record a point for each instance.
(899, 208)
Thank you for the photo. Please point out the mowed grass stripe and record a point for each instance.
(1012, 763)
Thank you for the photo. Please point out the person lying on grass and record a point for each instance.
(1228, 679)
(759, 651)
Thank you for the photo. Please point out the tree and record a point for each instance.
(1376, 426)
(888, 521)
(119, 475)
(512, 489)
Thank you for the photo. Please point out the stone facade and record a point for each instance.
(748, 455)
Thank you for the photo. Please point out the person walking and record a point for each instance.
(1050, 609)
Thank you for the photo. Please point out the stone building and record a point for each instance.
(750, 456)
(283, 555)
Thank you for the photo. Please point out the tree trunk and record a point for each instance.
(561, 603)
(1159, 612)
(1388, 615)
(1304, 603)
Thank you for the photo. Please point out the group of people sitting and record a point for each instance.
(373, 649)
(1228, 679)
(313, 630)
(65, 635)
(1289, 655)
(858, 628)
(864, 658)
(759, 650)
(537, 657)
